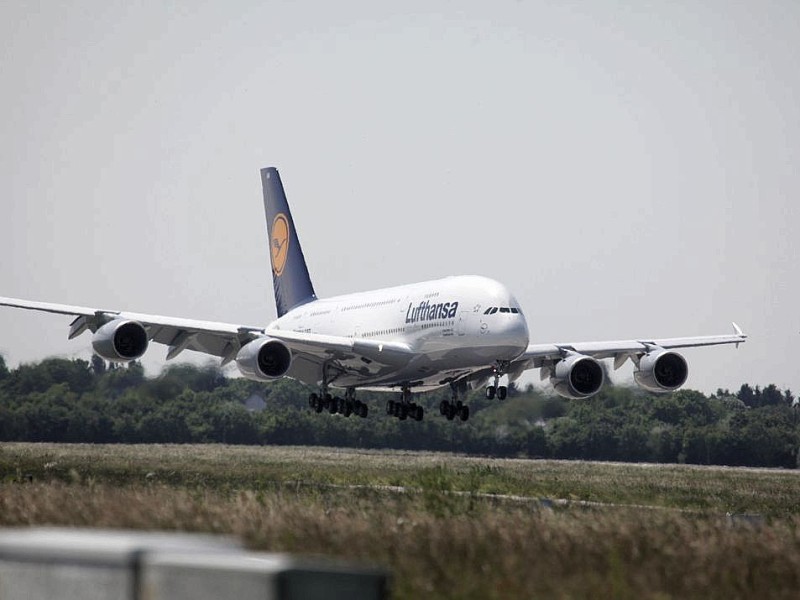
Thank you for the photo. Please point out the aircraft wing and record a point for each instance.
(223, 339)
(536, 354)
(217, 339)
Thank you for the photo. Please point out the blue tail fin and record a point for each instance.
(289, 272)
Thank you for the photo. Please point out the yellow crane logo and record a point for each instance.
(279, 243)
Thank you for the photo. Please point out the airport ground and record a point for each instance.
(447, 526)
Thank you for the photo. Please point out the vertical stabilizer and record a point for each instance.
(289, 272)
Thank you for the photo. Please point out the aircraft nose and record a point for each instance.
(518, 332)
(513, 332)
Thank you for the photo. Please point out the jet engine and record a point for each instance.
(120, 340)
(577, 376)
(661, 371)
(264, 359)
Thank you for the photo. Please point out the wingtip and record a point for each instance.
(738, 330)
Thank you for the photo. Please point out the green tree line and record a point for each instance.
(60, 400)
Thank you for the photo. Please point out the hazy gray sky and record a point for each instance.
(627, 169)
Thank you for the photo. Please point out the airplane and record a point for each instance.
(461, 332)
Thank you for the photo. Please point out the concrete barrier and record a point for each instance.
(176, 576)
(88, 564)
(81, 564)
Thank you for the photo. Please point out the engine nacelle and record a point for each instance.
(264, 359)
(661, 371)
(120, 340)
(577, 376)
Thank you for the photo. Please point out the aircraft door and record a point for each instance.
(467, 319)
(462, 324)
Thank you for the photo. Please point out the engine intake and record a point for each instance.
(120, 340)
(661, 371)
(264, 359)
(577, 376)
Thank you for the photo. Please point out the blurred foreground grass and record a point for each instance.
(459, 528)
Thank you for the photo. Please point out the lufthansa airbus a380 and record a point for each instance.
(462, 332)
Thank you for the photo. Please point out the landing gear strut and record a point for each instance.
(455, 407)
(404, 408)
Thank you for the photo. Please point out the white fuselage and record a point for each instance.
(454, 326)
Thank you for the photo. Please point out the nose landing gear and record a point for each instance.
(496, 390)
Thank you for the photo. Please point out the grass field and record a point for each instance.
(446, 526)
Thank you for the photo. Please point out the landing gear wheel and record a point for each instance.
(315, 402)
(333, 407)
(348, 408)
(490, 392)
(419, 413)
(390, 407)
(363, 411)
(453, 409)
(502, 392)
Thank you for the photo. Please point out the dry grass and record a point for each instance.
(437, 544)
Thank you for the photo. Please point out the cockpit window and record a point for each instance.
(504, 309)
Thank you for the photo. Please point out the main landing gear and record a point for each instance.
(334, 405)
(455, 407)
(404, 408)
